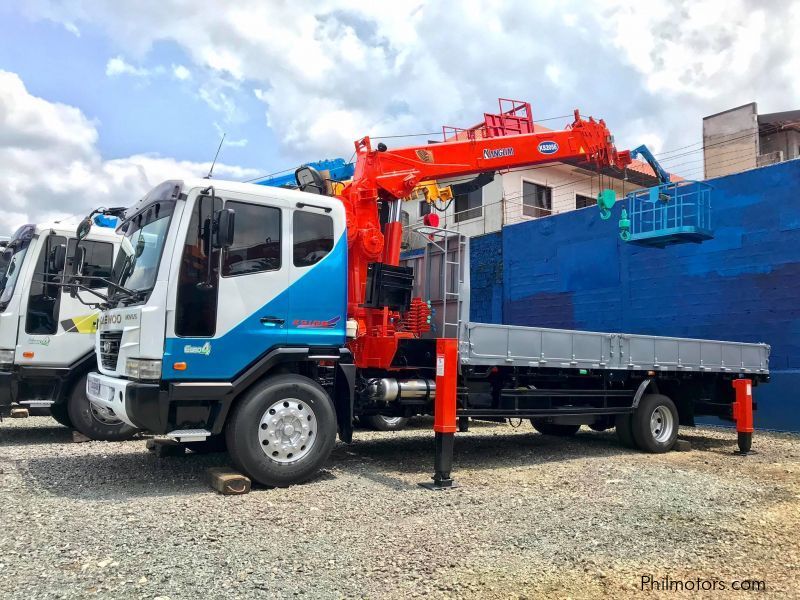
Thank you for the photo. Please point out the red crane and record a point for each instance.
(506, 140)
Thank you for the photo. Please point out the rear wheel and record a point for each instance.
(655, 424)
(94, 422)
(382, 423)
(545, 427)
(282, 431)
(58, 410)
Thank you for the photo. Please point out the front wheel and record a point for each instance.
(655, 424)
(382, 423)
(94, 422)
(282, 430)
(58, 410)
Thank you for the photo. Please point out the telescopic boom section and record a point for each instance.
(383, 175)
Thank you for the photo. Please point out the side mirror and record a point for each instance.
(224, 220)
(78, 259)
(140, 246)
(57, 259)
(83, 229)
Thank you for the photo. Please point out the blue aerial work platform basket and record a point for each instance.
(671, 213)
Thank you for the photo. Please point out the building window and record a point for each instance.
(582, 201)
(469, 206)
(256, 242)
(312, 236)
(537, 200)
(424, 208)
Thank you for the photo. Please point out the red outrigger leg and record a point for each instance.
(444, 411)
(743, 413)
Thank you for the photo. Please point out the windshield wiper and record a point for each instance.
(137, 295)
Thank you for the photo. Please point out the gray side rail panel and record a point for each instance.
(488, 344)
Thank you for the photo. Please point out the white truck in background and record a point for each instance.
(46, 334)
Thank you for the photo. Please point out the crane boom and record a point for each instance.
(507, 140)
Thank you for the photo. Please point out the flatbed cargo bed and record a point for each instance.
(484, 344)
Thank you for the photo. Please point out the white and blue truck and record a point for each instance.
(46, 334)
(244, 340)
(268, 319)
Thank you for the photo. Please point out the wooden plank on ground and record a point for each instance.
(227, 481)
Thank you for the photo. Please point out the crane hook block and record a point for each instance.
(624, 226)
(605, 201)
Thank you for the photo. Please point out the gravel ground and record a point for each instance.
(535, 517)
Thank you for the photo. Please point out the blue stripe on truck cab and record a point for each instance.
(316, 316)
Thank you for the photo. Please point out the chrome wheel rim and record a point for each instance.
(287, 430)
(392, 421)
(103, 415)
(661, 424)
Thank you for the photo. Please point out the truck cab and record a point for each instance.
(220, 282)
(46, 334)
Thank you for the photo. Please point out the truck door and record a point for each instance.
(226, 322)
(317, 277)
(57, 328)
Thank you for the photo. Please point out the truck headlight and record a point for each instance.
(6, 359)
(142, 368)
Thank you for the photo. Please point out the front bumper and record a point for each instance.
(7, 391)
(131, 401)
(160, 408)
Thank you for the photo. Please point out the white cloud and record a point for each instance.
(73, 29)
(119, 66)
(333, 70)
(181, 73)
(50, 165)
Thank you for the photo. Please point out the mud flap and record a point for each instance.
(343, 395)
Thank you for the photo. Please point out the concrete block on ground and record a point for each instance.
(227, 481)
(19, 413)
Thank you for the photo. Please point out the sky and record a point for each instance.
(100, 101)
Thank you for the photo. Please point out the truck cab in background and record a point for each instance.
(46, 334)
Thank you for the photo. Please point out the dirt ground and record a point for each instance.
(534, 517)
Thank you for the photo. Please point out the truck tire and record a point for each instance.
(546, 428)
(58, 410)
(655, 424)
(625, 431)
(90, 422)
(282, 430)
(382, 423)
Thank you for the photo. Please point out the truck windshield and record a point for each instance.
(136, 266)
(11, 263)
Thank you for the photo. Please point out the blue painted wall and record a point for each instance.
(573, 271)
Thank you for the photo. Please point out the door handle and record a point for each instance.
(272, 321)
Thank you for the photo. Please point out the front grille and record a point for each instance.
(109, 349)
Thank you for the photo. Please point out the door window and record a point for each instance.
(45, 294)
(257, 241)
(97, 262)
(312, 236)
(196, 314)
